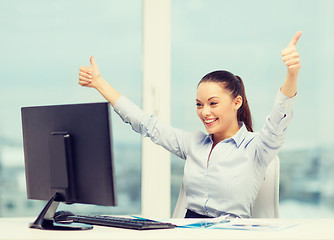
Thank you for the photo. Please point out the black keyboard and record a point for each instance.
(120, 222)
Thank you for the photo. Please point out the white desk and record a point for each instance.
(315, 229)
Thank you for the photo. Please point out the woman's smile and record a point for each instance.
(210, 121)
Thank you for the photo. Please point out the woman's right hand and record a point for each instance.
(90, 76)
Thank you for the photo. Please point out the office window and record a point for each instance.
(43, 44)
(246, 38)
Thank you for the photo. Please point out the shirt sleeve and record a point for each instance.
(273, 134)
(148, 125)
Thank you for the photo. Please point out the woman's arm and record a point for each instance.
(91, 77)
(272, 135)
(290, 57)
(141, 122)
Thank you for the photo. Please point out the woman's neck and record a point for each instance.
(230, 132)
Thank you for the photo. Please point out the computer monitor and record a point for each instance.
(68, 155)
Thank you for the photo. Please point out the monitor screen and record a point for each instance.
(68, 151)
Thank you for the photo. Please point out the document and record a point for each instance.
(199, 223)
(250, 224)
(254, 225)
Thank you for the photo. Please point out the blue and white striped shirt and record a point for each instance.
(229, 182)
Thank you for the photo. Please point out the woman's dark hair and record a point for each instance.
(235, 86)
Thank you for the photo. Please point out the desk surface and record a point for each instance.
(17, 228)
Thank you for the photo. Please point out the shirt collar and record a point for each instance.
(238, 138)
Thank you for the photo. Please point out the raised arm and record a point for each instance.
(147, 125)
(273, 134)
(91, 77)
(290, 57)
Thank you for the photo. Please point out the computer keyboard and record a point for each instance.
(120, 222)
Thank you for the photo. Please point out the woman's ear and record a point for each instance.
(238, 102)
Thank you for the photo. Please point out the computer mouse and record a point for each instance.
(61, 217)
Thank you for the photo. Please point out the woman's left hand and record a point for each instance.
(290, 55)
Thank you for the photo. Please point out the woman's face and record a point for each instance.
(217, 109)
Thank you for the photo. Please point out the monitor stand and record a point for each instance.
(45, 219)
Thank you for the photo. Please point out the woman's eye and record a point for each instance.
(213, 103)
(198, 105)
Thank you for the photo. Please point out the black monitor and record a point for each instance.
(68, 157)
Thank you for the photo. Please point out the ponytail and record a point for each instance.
(244, 114)
(235, 86)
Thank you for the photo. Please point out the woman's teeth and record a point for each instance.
(210, 120)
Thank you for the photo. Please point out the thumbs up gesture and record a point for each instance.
(290, 55)
(89, 76)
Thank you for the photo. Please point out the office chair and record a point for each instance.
(266, 204)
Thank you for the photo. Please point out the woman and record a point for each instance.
(225, 168)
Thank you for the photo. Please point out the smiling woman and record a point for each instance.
(231, 153)
(241, 36)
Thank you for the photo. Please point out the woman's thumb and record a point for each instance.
(92, 62)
